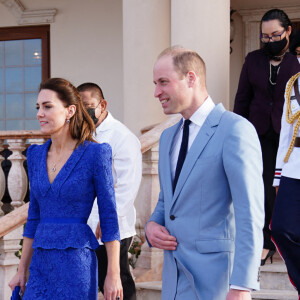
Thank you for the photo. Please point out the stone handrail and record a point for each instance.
(17, 141)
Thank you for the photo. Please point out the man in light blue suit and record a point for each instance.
(210, 212)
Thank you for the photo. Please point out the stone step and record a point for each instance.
(274, 277)
(148, 290)
(152, 291)
(275, 295)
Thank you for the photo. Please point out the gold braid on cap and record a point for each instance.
(291, 118)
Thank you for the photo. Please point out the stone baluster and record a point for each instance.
(38, 141)
(9, 245)
(2, 179)
(145, 204)
(17, 179)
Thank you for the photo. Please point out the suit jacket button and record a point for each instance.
(172, 217)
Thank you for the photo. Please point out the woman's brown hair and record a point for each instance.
(81, 125)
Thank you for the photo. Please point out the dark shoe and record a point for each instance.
(270, 254)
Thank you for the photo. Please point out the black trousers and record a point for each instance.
(129, 292)
(285, 226)
(269, 145)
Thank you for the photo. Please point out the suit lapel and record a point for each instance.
(167, 143)
(206, 132)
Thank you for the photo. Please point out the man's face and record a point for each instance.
(88, 100)
(172, 92)
(95, 108)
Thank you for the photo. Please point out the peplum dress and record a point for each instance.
(64, 264)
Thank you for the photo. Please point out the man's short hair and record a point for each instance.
(185, 60)
(94, 88)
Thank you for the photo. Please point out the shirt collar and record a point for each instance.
(105, 124)
(199, 116)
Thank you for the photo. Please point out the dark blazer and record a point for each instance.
(254, 99)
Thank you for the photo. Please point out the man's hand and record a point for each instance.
(98, 232)
(276, 188)
(160, 237)
(238, 295)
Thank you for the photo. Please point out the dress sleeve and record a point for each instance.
(244, 93)
(33, 219)
(104, 187)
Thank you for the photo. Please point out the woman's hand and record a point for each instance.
(113, 287)
(18, 280)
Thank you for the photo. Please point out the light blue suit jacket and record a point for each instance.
(218, 205)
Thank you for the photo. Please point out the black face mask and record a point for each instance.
(91, 112)
(275, 48)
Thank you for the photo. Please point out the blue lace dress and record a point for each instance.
(64, 265)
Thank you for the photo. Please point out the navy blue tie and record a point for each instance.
(182, 152)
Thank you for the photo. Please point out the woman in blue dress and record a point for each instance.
(66, 174)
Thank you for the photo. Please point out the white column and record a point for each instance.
(2, 179)
(17, 178)
(204, 26)
(146, 32)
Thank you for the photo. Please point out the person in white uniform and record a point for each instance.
(127, 173)
(286, 214)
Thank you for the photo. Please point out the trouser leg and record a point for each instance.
(269, 146)
(285, 226)
(128, 284)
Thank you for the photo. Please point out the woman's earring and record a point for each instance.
(68, 121)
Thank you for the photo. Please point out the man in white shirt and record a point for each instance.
(127, 173)
(210, 212)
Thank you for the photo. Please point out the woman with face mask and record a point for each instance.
(260, 99)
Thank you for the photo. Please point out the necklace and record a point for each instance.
(53, 169)
(270, 77)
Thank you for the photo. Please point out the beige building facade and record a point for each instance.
(115, 43)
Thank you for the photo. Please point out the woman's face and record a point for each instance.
(52, 114)
(273, 31)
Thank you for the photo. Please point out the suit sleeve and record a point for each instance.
(242, 160)
(104, 187)
(244, 93)
(33, 219)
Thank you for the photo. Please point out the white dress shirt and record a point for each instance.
(197, 120)
(127, 172)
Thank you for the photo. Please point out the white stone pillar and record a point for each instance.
(2, 179)
(146, 32)
(145, 204)
(204, 26)
(17, 179)
(9, 245)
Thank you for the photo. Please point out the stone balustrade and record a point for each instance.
(16, 184)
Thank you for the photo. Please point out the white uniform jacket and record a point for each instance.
(292, 166)
(127, 172)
